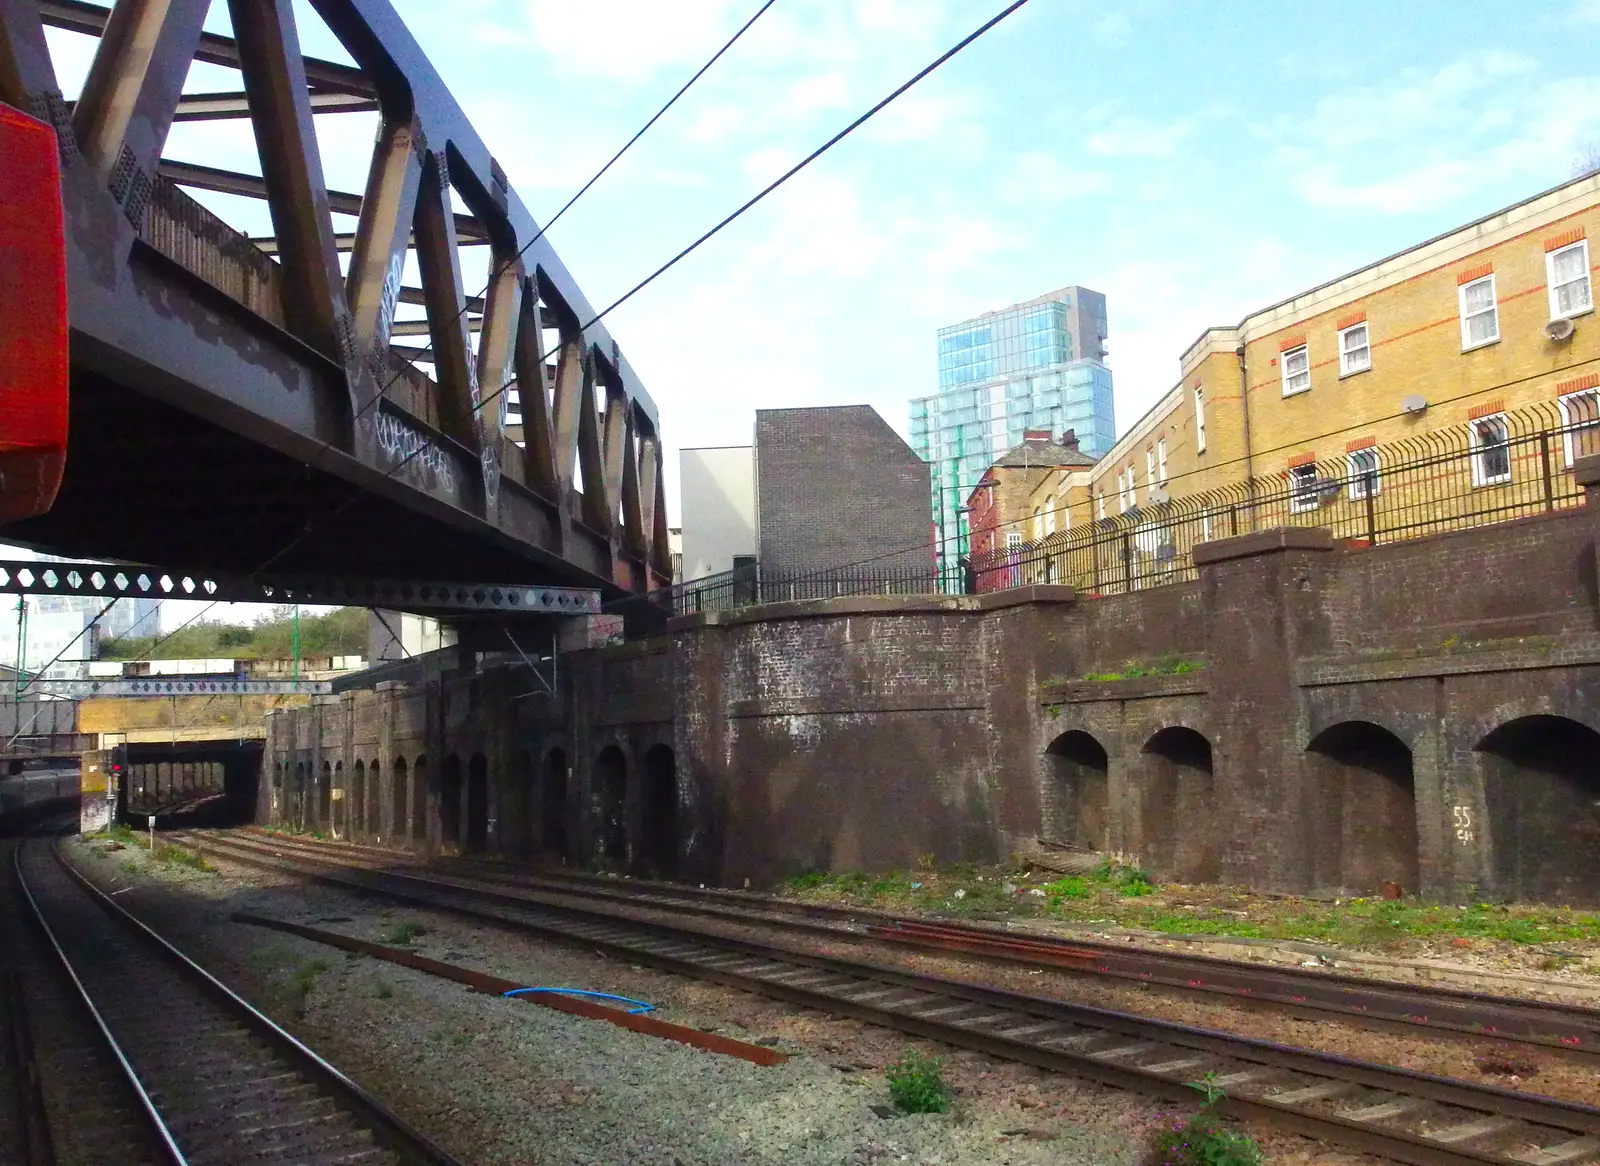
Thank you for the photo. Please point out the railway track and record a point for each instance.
(194, 1073)
(1400, 1115)
(1566, 1030)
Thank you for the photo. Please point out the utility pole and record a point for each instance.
(297, 641)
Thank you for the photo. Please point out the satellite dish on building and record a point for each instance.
(1559, 329)
(1415, 403)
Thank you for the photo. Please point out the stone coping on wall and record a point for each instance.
(877, 605)
(1131, 688)
(916, 702)
(1263, 542)
(1534, 652)
(650, 646)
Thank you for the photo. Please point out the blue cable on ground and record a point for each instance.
(642, 1006)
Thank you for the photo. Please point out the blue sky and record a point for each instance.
(1191, 161)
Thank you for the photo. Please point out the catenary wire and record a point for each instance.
(504, 265)
(310, 462)
(747, 205)
(942, 542)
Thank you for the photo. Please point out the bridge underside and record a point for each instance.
(243, 403)
(149, 482)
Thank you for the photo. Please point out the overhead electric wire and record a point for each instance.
(504, 265)
(943, 540)
(922, 73)
(310, 462)
(812, 157)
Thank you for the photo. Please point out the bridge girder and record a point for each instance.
(285, 352)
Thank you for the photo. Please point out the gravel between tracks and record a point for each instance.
(509, 1082)
(1543, 1072)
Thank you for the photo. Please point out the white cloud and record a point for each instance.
(1434, 139)
(626, 40)
(1136, 137)
(1040, 177)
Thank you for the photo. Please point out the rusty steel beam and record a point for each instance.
(420, 327)
(91, 20)
(311, 344)
(415, 295)
(345, 241)
(198, 177)
(228, 106)
(311, 285)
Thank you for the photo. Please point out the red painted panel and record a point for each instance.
(33, 318)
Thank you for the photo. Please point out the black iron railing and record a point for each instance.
(1493, 468)
(1490, 469)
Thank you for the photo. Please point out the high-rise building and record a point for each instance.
(1035, 365)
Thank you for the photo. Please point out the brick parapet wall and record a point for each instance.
(865, 733)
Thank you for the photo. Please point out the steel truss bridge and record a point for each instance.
(209, 368)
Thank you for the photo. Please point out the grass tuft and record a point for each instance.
(917, 1085)
(404, 934)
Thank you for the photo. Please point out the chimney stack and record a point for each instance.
(1069, 440)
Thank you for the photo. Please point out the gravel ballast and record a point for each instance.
(505, 1081)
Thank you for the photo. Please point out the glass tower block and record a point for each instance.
(1035, 365)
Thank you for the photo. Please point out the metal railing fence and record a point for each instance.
(1505, 465)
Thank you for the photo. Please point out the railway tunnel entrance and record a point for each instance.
(212, 783)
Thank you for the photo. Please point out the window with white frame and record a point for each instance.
(1038, 523)
(1480, 317)
(1133, 484)
(1013, 539)
(1361, 466)
(1295, 364)
(1567, 272)
(1150, 468)
(1580, 424)
(1161, 460)
(1049, 514)
(1199, 420)
(1302, 488)
(1355, 354)
(1491, 449)
(1099, 504)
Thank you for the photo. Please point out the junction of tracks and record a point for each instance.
(743, 981)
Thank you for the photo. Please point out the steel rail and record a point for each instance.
(367, 1116)
(1571, 1031)
(165, 1143)
(1402, 1115)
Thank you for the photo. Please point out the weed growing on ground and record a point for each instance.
(403, 934)
(1203, 1140)
(177, 856)
(917, 1085)
(385, 991)
(304, 979)
(1122, 894)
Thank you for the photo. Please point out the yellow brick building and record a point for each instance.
(1476, 352)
